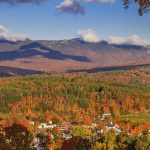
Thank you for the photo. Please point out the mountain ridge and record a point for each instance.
(59, 56)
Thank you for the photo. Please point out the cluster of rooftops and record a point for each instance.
(65, 126)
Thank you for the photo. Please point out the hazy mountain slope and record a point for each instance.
(10, 71)
(67, 55)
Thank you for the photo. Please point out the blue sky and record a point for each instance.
(45, 21)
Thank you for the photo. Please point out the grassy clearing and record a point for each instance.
(142, 118)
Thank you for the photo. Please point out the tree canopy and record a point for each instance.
(144, 5)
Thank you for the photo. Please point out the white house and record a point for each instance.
(67, 136)
(31, 122)
(92, 126)
(64, 126)
(49, 125)
(106, 115)
(115, 127)
(40, 148)
(100, 131)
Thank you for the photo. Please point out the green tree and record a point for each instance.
(143, 143)
(109, 139)
(97, 146)
(80, 131)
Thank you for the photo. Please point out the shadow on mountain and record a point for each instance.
(3, 74)
(36, 49)
(134, 47)
(94, 70)
(104, 44)
(7, 42)
(12, 71)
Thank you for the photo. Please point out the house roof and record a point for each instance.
(109, 125)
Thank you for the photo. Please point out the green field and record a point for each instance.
(136, 118)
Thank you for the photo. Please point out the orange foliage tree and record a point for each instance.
(18, 136)
(144, 5)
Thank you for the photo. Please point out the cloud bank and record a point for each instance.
(88, 35)
(12, 2)
(131, 40)
(71, 6)
(7, 35)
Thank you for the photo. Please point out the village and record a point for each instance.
(65, 127)
(47, 131)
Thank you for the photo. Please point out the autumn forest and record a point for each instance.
(80, 99)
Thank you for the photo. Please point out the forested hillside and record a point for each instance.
(72, 96)
(91, 111)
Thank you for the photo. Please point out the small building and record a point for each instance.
(64, 126)
(146, 132)
(92, 126)
(115, 127)
(106, 116)
(31, 123)
(109, 127)
(100, 131)
(48, 125)
(39, 148)
(67, 136)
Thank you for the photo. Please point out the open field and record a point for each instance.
(136, 118)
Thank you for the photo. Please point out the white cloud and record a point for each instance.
(74, 6)
(99, 1)
(7, 35)
(71, 6)
(133, 40)
(88, 35)
(3, 30)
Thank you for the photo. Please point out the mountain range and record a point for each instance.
(59, 56)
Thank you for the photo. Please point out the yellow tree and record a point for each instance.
(80, 131)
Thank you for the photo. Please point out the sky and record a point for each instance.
(90, 20)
